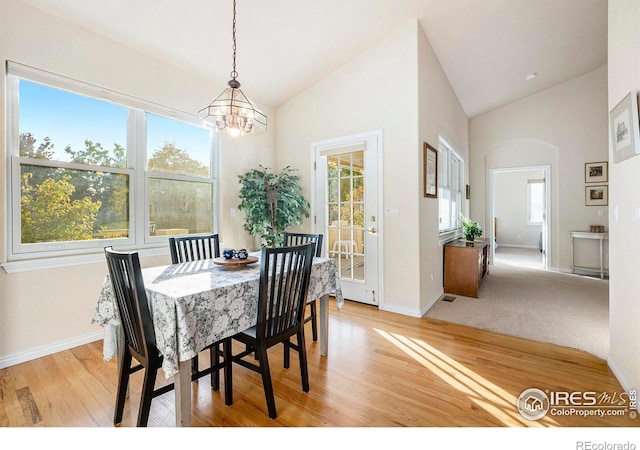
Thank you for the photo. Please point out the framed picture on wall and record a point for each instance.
(430, 171)
(596, 195)
(624, 128)
(596, 172)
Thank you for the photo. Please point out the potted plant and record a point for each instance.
(272, 203)
(470, 228)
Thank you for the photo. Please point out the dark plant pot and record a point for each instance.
(469, 237)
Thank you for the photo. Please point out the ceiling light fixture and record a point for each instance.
(232, 112)
(531, 76)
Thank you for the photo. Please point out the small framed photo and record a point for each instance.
(624, 128)
(430, 171)
(596, 172)
(596, 195)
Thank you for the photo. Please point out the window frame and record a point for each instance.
(142, 157)
(63, 253)
(446, 178)
(540, 181)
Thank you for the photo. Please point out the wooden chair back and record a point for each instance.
(194, 248)
(291, 239)
(128, 288)
(284, 284)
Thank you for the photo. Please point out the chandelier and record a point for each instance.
(232, 112)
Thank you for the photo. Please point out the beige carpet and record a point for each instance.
(518, 298)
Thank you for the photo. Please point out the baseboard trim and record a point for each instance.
(412, 312)
(620, 376)
(432, 302)
(49, 349)
(404, 311)
(519, 246)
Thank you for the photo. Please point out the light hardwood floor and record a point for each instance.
(383, 370)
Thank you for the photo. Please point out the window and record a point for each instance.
(535, 202)
(450, 182)
(91, 168)
(178, 162)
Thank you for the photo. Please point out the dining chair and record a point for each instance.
(304, 238)
(282, 293)
(195, 248)
(139, 335)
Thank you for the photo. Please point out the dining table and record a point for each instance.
(195, 304)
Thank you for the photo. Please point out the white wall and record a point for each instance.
(46, 310)
(238, 156)
(397, 86)
(375, 90)
(563, 127)
(441, 114)
(511, 212)
(624, 193)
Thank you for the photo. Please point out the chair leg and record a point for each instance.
(123, 384)
(194, 364)
(302, 353)
(214, 353)
(228, 375)
(314, 321)
(147, 394)
(266, 382)
(255, 355)
(287, 351)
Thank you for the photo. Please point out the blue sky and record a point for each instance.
(69, 119)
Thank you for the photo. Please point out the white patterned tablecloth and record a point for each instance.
(198, 303)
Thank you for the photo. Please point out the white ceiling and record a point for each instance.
(486, 47)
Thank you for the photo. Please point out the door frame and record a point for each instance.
(546, 233)
(345, 141)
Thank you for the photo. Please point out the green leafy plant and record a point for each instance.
(470, 228)
(272, 202)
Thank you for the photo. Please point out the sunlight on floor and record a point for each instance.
(519, 257)
(482, 392)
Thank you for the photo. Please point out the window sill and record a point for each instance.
(69, 261)
(449, 236)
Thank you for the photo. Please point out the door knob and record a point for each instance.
(372, 230)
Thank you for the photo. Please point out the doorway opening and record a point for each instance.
(520, 215)
(346, 197)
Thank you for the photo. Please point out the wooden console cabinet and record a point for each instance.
(465, 265)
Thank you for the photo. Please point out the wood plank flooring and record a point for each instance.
(383, 370)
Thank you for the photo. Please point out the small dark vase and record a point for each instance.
(228, 253)
(470, 236)
(242, 253)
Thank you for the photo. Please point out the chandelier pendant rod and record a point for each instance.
(232, 112)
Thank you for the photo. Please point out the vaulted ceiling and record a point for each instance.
(486, 47)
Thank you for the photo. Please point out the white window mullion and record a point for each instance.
(215, 173)
(138, 142)
(12, 149)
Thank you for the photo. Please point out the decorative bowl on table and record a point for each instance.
(228, 253)
(235, 263)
